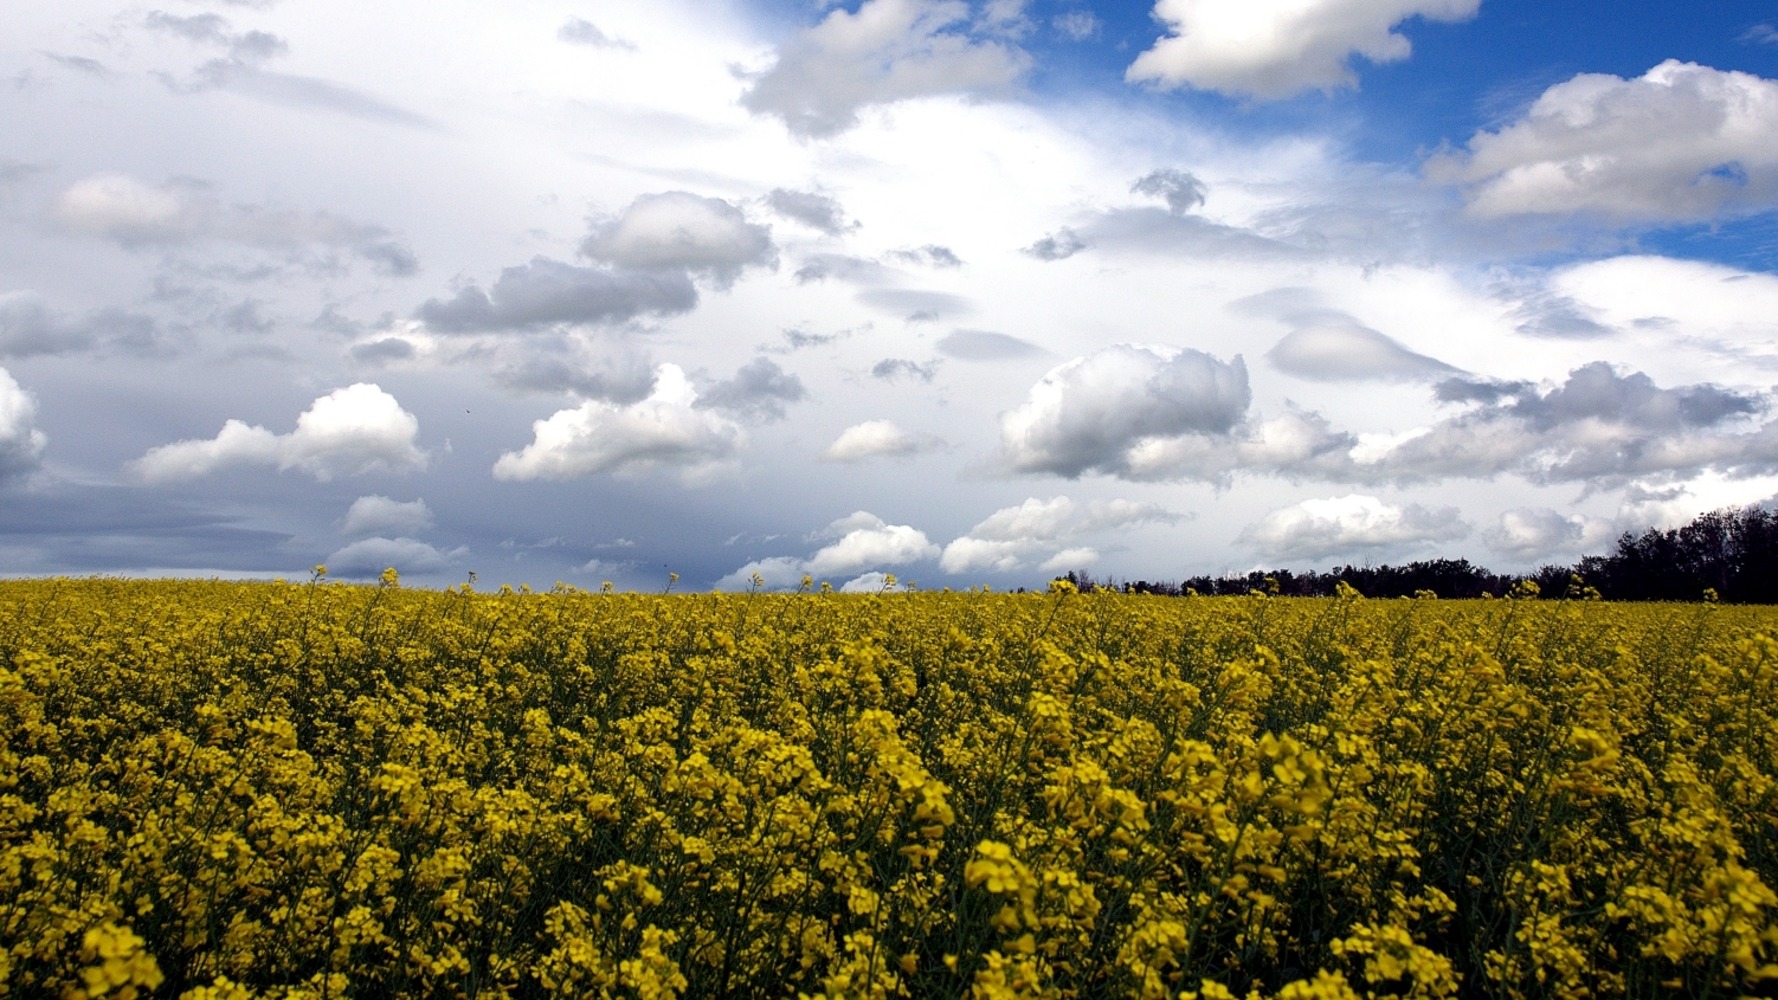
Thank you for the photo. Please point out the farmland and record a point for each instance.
(219, 790)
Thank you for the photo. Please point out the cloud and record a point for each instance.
(915, 304)
(1349, 525)
(665, 430)
(886, 51)
(1558, 316)
(1174, 234)
(1527, 534)
(1346, 352)
(1729, 309)
(759, 391)
(1070, 559)
(858, 270)
(678, 232)
(797, 340)
(21, 443)
(894, 369)
(202, 28)
(1681, 143)
(1076, 25)
(930, 255)
(1059, 245)
(1090, 414)
(1295, 446)
(861, 541)
(29, 327)
(1006, 17)
(590, 367)
(302, 92)
(876, 439)
(985, 345)
(1272, 51)
(1009, 538)
(368, 557)
(379, 515)
(348, 432)
(1181, 191)
(866, 583)
(136, 215)
(384, 351)
(868, 546)
(1760, 34)
(248, 48)
(80, 64)
(1597, 427)
(578, 31)
(240, 70)
(547, 292)
(817, 211)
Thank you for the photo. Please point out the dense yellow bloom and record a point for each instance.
(221, 791)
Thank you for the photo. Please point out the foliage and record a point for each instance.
(235, 790)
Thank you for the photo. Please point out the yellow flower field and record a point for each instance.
(308, 790)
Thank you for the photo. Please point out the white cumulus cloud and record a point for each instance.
(1011, 536)
(1530, 533)
(871, 543)
(347, 432)
(1348, 525)
(1682, 142)
(679, 231)
(21, 443)
(860, 541)
(1090, 414)
(665, 430)
(368, 557)
(1271, 49)
(379, 515)
(875, 439)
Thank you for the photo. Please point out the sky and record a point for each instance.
(970, 293)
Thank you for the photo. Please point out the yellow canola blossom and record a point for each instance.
(224, 791)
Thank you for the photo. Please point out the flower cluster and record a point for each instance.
(213, 790)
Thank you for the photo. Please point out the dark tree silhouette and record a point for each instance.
(1731, 552)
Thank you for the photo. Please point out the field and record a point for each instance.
(308, 790)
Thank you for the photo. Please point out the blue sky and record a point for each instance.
(967, 292)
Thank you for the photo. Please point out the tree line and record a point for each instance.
(1729, 555)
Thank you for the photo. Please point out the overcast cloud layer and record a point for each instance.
(963, 291)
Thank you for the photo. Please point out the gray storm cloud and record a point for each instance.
(759, 391)
(1180, 190)
(546, 292)
(812, 209)
(28, 326)
(1597, 426)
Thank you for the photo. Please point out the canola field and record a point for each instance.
(220, 790)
